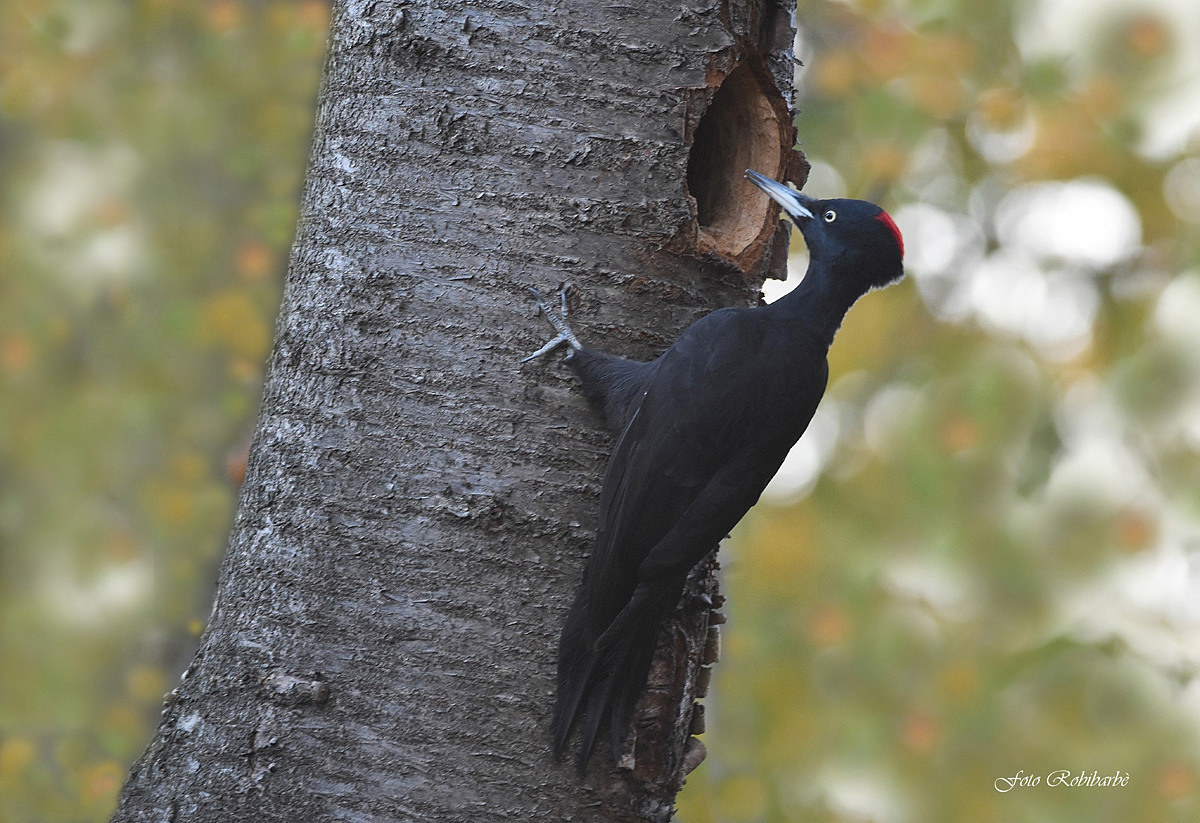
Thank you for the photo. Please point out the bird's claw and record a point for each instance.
(558, 319)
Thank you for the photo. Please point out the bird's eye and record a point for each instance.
(830, 216)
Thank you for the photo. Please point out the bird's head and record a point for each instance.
(856, 238)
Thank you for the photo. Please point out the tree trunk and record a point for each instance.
(418, 505)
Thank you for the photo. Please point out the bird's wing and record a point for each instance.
(711, 413)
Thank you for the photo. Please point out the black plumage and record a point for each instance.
(700, 431)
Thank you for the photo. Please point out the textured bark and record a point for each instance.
(418, 506)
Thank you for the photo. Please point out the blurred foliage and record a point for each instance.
(987, 565)
(151, 155)
(990, 564)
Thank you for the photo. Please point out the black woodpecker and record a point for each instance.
(700, 432)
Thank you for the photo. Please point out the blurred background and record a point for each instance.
(983, 560)
(151, 156)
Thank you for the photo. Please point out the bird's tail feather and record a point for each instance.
(576, 662)
(601, 684)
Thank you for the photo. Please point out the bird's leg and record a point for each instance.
(558, 319)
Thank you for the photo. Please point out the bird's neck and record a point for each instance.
(819, 303)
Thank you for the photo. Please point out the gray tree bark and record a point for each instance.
(418, 506)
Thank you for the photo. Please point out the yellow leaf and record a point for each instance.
(231, 319)
(16, 753)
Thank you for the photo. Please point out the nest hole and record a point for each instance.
(740, 130)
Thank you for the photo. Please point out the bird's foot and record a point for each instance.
(558, 319)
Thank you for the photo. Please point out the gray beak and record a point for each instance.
(794, 203)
